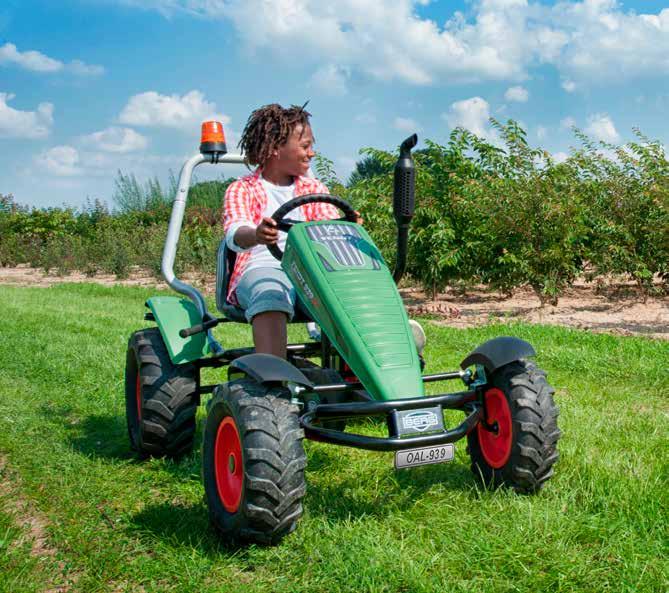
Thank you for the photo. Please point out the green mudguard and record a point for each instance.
(173, 314)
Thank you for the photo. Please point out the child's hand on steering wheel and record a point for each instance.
(266, 232)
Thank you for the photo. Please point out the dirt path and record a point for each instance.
(616, 308)
(619, 310)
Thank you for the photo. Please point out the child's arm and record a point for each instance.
(241, 233)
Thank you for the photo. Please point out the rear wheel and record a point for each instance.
(253, 463)
(160, 398)
(520, 448)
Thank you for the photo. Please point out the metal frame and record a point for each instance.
(174, 231)
(391, 443)
(470, 401)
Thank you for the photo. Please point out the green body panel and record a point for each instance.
(173, 314)
(343, 281)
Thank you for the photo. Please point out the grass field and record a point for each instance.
(79, 513)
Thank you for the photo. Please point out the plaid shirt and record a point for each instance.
(245, 201)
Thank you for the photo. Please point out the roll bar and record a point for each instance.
(174, 231)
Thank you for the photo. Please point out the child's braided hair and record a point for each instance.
(268, 128)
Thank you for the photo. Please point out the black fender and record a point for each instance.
(498, 352)
(267, 368)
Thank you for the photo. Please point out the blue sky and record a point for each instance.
(88, 87)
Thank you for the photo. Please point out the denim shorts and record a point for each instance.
(266, 289)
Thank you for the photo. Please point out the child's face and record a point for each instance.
(294, 156)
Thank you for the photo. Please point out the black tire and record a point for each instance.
(524, 459)
(161, 417)
(260, 499)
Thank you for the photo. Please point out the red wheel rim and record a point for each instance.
(228, 464)
(496, 446)
(138, 397)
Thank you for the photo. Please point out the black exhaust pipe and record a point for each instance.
(404, 190)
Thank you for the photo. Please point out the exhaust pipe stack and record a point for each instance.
(404, 202)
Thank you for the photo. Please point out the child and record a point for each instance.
(280, 142)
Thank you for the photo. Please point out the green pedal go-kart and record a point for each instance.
(371, 365)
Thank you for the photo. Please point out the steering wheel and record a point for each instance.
(285, 224)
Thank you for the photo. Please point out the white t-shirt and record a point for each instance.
(277, 195)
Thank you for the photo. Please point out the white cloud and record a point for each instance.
(517, 93)
(201, 8)
(331, 79)
(116, 140)
(24, 124)
(472, 114)
(569, 86)
(567, 123)
(406, 124)
(38, 62)
(542, 132)
(365, 118)
(382, 39)
(601, 127)
(61, 161)
(184, 113)
(345, 166)
(86, 161)
(30, 60)
(586, 40)
(83, 69)
(607, 43)
(560, 157)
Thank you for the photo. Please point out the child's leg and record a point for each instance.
(268, 299)
(270, 333)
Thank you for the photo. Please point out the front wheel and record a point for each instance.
(519, 446)
(253, 463)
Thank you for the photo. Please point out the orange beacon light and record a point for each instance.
(213, 138)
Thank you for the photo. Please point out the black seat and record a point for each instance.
(225, 263)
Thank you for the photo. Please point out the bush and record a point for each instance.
(509, 216)
(504, 214)
(628, 190)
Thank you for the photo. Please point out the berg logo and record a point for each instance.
(420, 421)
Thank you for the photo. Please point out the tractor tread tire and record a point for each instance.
(170, 398)
(535, 431)
(274, 462)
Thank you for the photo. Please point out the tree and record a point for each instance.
(130, 196)
(209, 194)
(7, 203)
(367, 168)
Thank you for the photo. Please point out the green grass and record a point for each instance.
(116, 524)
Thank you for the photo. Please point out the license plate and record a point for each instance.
(424, 456)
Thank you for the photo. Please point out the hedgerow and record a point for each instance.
(509, 215)
(497, 212)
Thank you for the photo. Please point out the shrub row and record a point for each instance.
(500, 213)
(93, 239)
(507, 214)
